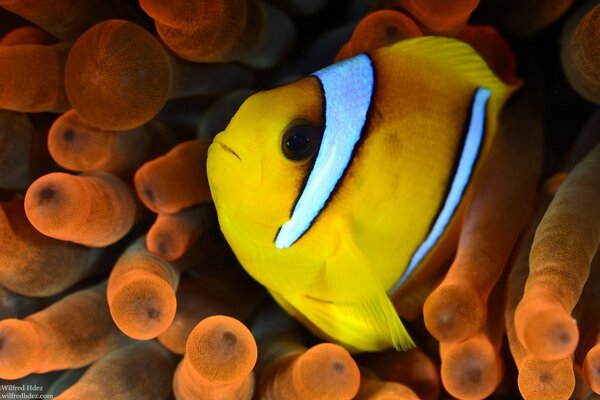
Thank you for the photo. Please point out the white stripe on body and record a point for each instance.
(470, 153)
(348, 88)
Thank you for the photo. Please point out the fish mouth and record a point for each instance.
(228, 149)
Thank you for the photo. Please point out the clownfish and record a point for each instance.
(334, 189)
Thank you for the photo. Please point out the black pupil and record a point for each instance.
(300, 141)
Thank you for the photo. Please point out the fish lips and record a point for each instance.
(227, 149)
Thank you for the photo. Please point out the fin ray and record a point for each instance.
(455, 55)
(359, 297)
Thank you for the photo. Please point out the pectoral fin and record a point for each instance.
(361, 300)
(353, 309)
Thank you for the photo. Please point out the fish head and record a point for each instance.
(256, 169)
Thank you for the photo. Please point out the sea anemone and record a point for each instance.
(116, 282)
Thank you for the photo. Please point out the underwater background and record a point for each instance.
(116, 283)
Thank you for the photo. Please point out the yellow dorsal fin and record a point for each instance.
(454, 55)
(457, 56)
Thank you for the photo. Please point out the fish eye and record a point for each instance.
(300, 141)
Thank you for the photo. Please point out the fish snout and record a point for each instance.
(225, 148)
(228, 150)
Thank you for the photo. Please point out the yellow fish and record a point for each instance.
(334, 189)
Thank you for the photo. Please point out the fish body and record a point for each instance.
(333, 190)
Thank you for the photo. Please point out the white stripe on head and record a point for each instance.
(470, 153)
(348, 88)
